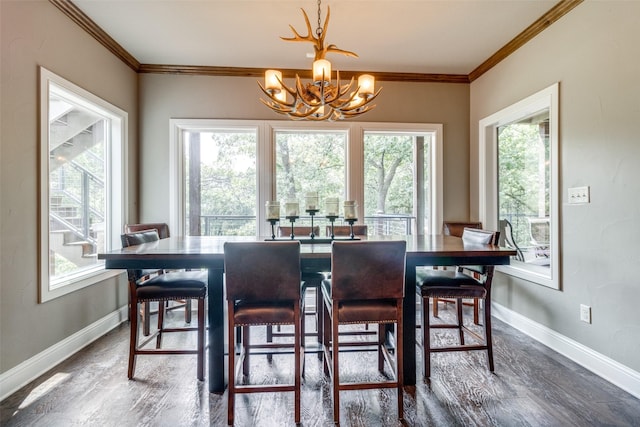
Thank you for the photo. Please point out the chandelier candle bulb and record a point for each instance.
(311, 200)
(321, 72)
(349, 209)
(366, 82)
(273, 210)
(291, 208)
(272, 79)
(331, 206)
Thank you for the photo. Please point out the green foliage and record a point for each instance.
(523, 170)
(228, 173)
(310, 161)
(388, 164)
(227, 181)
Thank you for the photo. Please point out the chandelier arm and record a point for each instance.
(307, 114)
(346, 106)
(340, 91)
(350, 114)
(274, 99)
(277, 108)
(320, 118)
(287, 88)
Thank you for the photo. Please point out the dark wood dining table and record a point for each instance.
(207, 252)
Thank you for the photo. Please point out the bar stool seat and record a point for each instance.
(167, 286)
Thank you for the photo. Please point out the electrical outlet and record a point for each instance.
(585, 313)
(579, 195)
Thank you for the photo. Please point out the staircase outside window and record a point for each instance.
(81, 182)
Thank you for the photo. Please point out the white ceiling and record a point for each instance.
(412, 36)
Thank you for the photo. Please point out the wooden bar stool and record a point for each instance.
(465, 282)
(168, 286)
(263, 288)
(366, 286)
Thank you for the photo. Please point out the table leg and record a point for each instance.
(215, 316)
(409, 325)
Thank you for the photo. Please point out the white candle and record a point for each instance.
(331, 206)
(366, 83)
(311, 200)
(321, 72)
(273, 210)
(350, 209)
(291, 208)
(272, 79)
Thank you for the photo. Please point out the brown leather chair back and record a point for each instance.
(160, 227)
(362, 270)
(345, 230)
(138, 238)
(262, 271)
(457, 228)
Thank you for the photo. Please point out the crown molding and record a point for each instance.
(76, 15)
(291, 73)
(87, 24)
(558, 11)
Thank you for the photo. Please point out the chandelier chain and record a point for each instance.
(319, 28)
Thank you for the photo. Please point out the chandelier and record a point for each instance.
(320, 99)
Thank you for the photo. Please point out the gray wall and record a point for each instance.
(593, 53)
(36, 33)
(163, 97)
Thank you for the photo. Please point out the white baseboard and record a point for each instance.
(603, 366)
(21, 375)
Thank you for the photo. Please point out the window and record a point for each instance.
(220, 182)
(306, 158)
(396, 177)
(519, 184)
(82, 174)
(293, 158)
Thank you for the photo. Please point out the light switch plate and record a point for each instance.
(579, 195)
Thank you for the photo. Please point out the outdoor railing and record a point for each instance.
(232, 225)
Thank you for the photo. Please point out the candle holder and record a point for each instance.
(312, 213)
(273, 221)
(351, 221)
(332, 219)
(292, 219)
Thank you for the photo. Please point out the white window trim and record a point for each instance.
(266, 161)
(488, 178)
(116, 193)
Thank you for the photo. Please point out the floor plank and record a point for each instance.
(532, 386)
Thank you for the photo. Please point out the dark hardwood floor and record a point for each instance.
(532, 386)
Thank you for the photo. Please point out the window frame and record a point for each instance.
(265, 164)
(488, 178)
(115, 181)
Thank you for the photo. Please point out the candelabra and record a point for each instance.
(273, 221)
(292, 219)
(312, 213)
(351, 221)
(332, 219)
